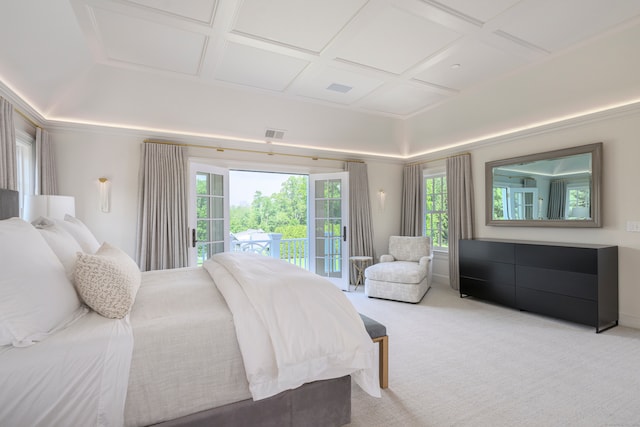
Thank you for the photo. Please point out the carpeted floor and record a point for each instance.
(463, 362)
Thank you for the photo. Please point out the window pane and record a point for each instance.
(202, 183)
(436, 219)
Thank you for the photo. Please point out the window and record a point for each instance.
(25, 166)
(436, 217)
(577, 201)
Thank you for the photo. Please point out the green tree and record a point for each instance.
(284, 212)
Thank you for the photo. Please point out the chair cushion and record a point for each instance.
(397, 271)
(406, 248)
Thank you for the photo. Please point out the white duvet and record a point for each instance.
(293, 327)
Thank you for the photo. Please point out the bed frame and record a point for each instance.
(317, 404)
(320, 403)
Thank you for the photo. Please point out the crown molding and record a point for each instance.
(509, 136)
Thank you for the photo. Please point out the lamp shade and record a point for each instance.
(54, 207)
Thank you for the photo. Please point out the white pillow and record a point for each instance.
(80, 232)
(36, 298)
(107, 281)
(61, 242)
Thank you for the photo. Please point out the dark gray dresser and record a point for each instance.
(574, 282)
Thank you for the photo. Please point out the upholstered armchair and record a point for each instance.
(404, 274)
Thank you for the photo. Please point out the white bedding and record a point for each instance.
(186, 357)
(76, 377)
(179, 350)
(293, 326)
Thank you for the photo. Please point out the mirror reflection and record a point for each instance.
(558, 188)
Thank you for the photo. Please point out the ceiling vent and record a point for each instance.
(274, 134)
(337, 87)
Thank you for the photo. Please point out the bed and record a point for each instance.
(213, 345)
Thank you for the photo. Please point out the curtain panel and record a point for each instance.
(163, 235)
(360, 222)
(460, 210)
(411, 218)
(557, 199)
(8, 166)
(46, 182)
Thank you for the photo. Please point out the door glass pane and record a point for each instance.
(218, 185)
(210, 215)
(217, 207)
(328, 228)
(202, 183)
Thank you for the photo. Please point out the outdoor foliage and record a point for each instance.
(284, 212)
(436, 218)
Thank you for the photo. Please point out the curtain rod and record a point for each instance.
(222, 149)
(27, 118)
(437, 160)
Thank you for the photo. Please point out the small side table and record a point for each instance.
(360, 263)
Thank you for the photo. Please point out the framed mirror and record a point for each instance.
(559, 188)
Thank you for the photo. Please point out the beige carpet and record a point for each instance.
(463, 362)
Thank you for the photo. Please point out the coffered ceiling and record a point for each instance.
(390, 59)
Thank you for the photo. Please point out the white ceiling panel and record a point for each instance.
(469, 63)
(394, 40)
(149, 44)
(570, 22)
(401, 100)
(388, 60)
(259, 68)
(308, 25)
(481, 10)
(317, 85)
(197, 10)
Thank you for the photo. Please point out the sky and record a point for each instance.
(243, 185)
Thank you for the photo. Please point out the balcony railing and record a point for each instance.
(294, 251)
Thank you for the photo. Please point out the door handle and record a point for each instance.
(193, 238)
(344, 233)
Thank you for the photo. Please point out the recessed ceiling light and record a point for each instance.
(456, 66)
(337, 87)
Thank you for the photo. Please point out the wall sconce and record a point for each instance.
(105, 187)
(381, 198)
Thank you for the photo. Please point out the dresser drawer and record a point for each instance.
(580, 260)
(491, 291)
(563, 307)
(491, 271)
(487, 251)
(568, 283)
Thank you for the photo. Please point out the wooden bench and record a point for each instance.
(378, 333)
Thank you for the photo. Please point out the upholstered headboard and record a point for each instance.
(9, 204)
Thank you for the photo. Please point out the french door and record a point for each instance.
(327, 228)
(208, 212)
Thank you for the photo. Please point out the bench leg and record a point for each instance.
(383, 364)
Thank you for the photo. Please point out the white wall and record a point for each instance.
(82, 158)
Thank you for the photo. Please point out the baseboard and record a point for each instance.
(629, 320)
(440, 279)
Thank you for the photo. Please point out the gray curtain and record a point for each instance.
(460, 210)
(46, 182)
(360, 223)
(557, 198)
(8, 167)
(163, 235)
(411, 218)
